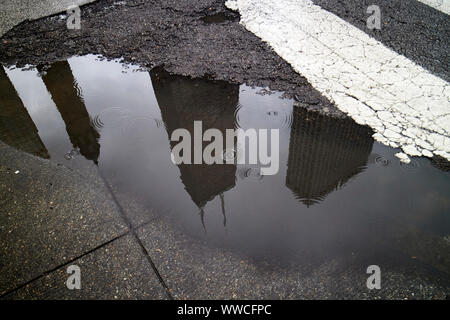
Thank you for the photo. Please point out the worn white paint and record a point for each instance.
(407, 106)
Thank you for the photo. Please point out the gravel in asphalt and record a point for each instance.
(14, 12)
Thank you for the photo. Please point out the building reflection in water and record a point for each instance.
(65, 94)
(182, 101)
(324, 153)
(17, 129)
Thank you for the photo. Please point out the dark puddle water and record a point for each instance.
(220, 17)
(337, 191)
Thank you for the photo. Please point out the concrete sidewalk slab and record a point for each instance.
(119, 270)
(193, 270)
(49, 215)
(14, 12)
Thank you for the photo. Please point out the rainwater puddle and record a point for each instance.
(336, 192)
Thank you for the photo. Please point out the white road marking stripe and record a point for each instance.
(441, 5)
(407, 106)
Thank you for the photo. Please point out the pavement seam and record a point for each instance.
(45, 273)
(138, 240)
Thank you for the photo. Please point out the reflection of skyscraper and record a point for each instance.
(17, 129)
(183, 101)
(441, 163)
(324, 153)
(62, 86)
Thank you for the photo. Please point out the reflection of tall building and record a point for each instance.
(441, 163)
(324, 153)
(62, 86)
(182, 101)
(17, 129)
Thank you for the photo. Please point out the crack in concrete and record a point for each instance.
(45, 273)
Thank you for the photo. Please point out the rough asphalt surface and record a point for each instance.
(171, 33)
(78, 218)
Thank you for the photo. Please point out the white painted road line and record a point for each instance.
(407, 106)
(441, 5)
